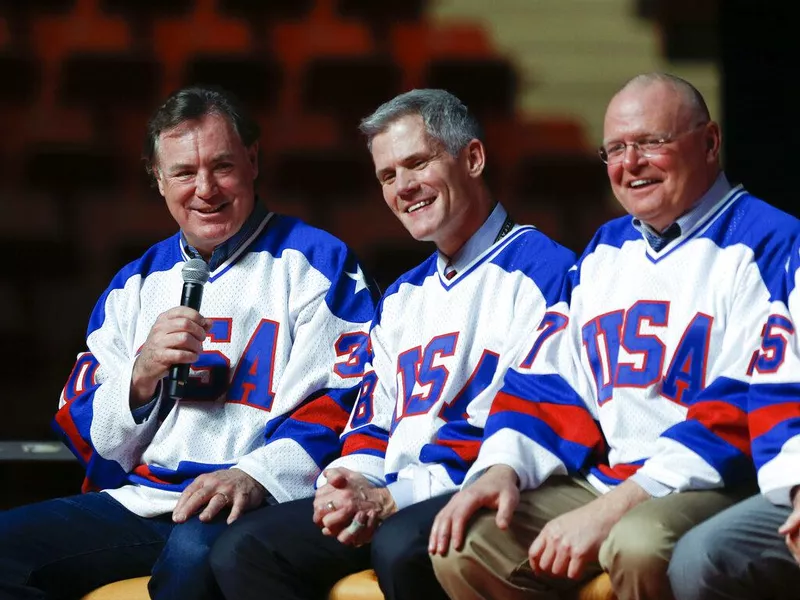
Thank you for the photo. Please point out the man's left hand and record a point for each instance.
(349, 507)
(567, 544)
(212, 492)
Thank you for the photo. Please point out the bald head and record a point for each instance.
(688, 96)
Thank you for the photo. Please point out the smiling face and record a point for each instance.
(660, 188)
(206, 176)
(436, 196)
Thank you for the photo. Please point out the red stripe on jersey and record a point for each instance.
(620, 472)
(144, 471)
(87, 486)
(67, 423)
(323, 411)
(723, 420)
(358, 442)
(467, 450)
(764, 419)
(569, 422)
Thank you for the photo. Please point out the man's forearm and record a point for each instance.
(621, 499)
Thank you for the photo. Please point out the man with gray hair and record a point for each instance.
(439, 344)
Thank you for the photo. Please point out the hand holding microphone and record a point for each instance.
(195, 274)
(174, 342)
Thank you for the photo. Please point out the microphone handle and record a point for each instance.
(191, 296)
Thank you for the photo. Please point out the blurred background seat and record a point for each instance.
(382, 16)
(488, 86)
(323, 180)
(349, 88)
(256, 80)
(141, 14)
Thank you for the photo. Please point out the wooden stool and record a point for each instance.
(358, 586)
(127, 589)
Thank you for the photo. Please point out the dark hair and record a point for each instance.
(193, 103)
(446, 118)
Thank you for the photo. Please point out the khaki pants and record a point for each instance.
(493, 564)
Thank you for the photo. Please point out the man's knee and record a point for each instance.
(394, 547)
(637, 543)
(235, 542)
(698, 560)
(478, 555)
(186, 551)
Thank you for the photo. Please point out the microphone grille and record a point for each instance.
(195, 271)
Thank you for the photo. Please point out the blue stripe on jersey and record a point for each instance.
(773, 418)
(187, 469)
(539, 258)
(320, 442)
(347, 297)
(725, 389)
(160, 257)
(551, 388)
(768, 394)
(447, 458)
(458, 432)
(183, 475)
(763, 228)
(572, 454)
(769, 445)
(732, 465)
(273, 424)
(105, 474)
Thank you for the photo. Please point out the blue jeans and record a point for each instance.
(66, 547)
(736, 555)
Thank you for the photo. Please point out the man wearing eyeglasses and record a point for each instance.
(650, 351)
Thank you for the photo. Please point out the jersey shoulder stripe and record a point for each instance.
(160, 257)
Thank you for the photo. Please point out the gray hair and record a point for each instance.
(693, 98)
(446, 118)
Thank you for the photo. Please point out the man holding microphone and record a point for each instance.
(272, 378)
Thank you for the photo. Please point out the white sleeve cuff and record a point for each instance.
(402, 492)
(655, 488)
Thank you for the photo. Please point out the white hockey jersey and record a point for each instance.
(438, 352)
(270, 394)
(775, 391)
(646, 357)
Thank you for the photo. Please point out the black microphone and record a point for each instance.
(195, 274)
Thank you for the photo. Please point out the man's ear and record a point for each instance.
(476, 157)
(713, 138)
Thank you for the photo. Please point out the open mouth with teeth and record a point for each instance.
(421, 204)
(640, 183)
(210, 211)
